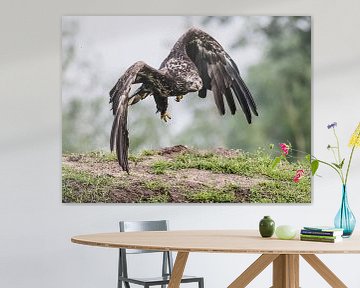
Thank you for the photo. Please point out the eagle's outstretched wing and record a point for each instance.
(119, 97)
(218, 72)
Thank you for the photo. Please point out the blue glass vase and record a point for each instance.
(345, 219)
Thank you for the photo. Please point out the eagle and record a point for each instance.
(196, 63)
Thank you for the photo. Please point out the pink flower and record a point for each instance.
(284, 148)
(299, 174)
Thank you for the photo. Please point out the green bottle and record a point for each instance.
(266, 226)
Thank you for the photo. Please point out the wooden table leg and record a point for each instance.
(324, 271)
(178, 270)
(286, 271)
(253, 270)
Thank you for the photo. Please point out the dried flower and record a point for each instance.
(299, 174)
(284, 148)
(355, 138)
(332, 125)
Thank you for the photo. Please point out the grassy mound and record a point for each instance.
(182, 175)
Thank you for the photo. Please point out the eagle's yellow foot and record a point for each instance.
(165, 116)
(178, 98)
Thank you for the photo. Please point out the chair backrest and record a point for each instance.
(134, 226)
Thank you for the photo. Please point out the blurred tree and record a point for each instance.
(283, 80)
(69, 30)
(86, 116)
(145, 129)
(280, 81)
(83, 118)
(204, 125)
(83, 125)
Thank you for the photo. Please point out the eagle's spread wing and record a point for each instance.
(218, 72)
(119, 97)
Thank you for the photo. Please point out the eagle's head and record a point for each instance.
(193, 83)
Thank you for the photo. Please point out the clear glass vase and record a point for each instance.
(345, 219)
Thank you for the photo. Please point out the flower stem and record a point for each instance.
(338, 145)
(339, 162)
(348, 167)
(338, 171)
(332, 166)
(336, 159)
(301, 152)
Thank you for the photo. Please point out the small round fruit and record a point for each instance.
(285, 232)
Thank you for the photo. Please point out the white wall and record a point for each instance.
(35, 228)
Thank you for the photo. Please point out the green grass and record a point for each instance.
(278, 188)
(245, 164)
(83, 187)
(156, 186)
(276, 184)
(160, 166)
(136, 158)
(212, 195)
(149, 153)
(281, 192)
(101, 156)
(161, 198)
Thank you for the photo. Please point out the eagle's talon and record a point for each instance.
(178, 98)
(165, 116)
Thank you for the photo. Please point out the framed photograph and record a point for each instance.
(186, 109)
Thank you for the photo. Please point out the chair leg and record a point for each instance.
(201, 283)
(119, 270)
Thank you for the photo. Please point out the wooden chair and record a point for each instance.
(167, 262)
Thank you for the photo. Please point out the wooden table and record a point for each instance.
(284, 254)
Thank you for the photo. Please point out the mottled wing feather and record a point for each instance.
(119, 97)
(219, 73)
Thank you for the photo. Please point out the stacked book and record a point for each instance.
(321, 234)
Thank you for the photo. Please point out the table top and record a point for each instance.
(217, 241)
